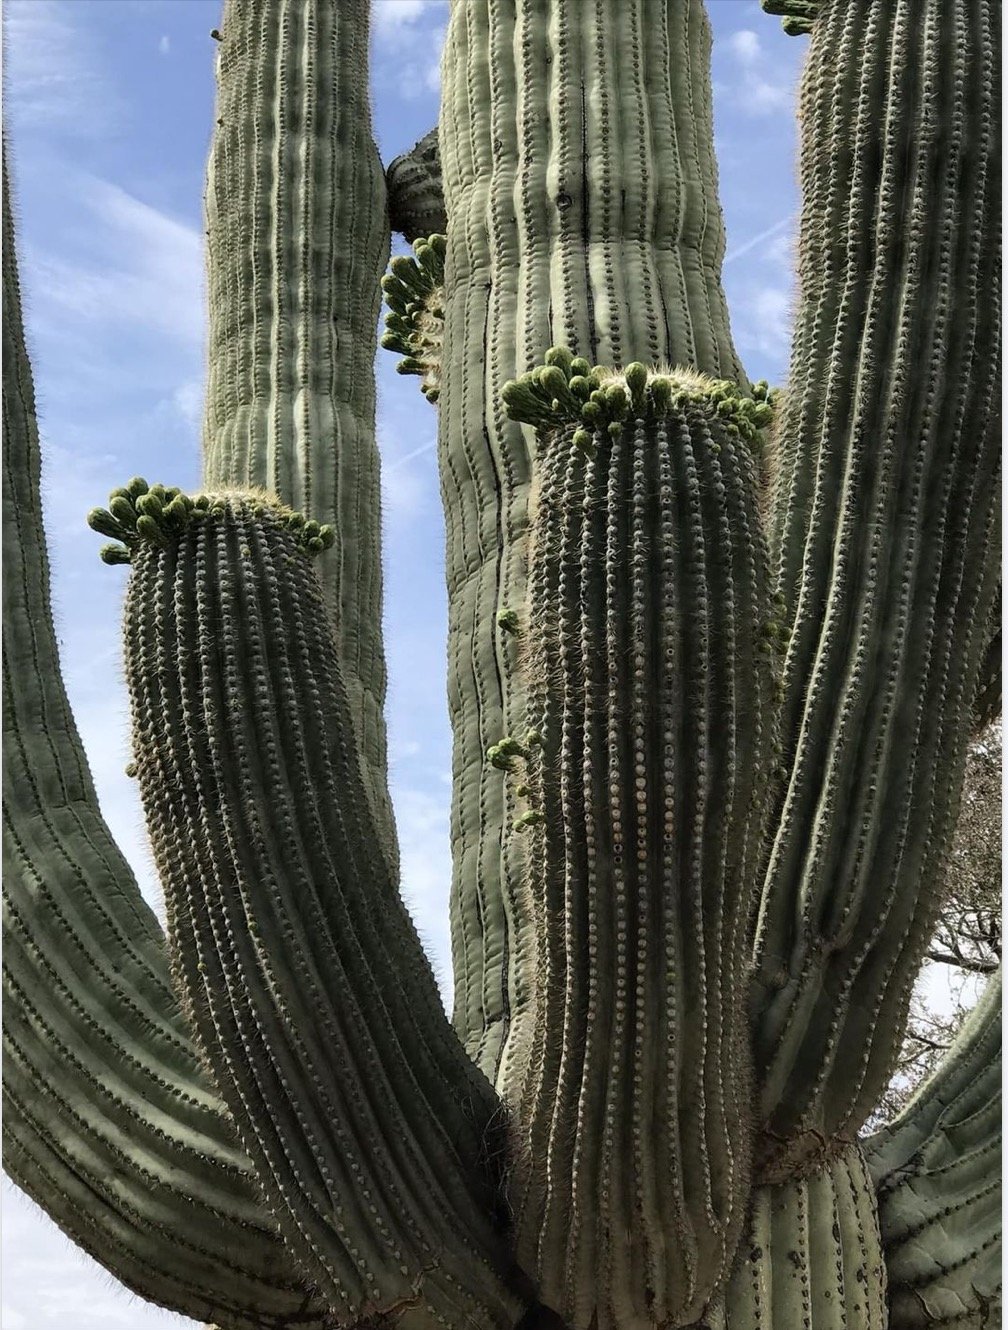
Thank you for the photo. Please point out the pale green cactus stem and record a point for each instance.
(110, 1123)
(937, 1171)
(886, 534)
(585, 221)
(650, 675)
(298, 238)
(303, 976)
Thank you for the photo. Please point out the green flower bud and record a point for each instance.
(114, 554)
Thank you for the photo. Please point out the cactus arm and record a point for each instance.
(415, 197)
(650, 681)
(797, 16)
(812, 1255)
(937, 1173)
(888, 542)
(110, 1123)
(581, 191)
(297, 241)
(305, 979)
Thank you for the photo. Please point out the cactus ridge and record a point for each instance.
(415, 195)
(812, 1255)
(648, 593)
(414, 293)
(306, 981)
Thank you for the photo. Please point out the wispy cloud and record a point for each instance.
(54, 78)
(754, 85)
(135, 265)
(755, 241)
(408, 51)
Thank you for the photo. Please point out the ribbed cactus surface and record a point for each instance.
(110, 1122)
(715, 655)
(580, 180)
(298, 238)
(306, 983)
(648, 658)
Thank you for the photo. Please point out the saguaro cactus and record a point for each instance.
(715, 654)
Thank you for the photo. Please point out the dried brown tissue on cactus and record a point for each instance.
(715, 654)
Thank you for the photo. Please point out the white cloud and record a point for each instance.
(746, 46)
(141, 267)
(164, 45)
(389, 15)
(53, 74)
(754, 85)
(764, 320)
(411, 34)
(422, 821)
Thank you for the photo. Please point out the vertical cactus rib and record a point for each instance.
(937, 1172)
(887, 536)
(812, 1256)
(297, 241)
(650, 676)
(415, 197)
(306, 981)
(110, 1123)
(580, 183)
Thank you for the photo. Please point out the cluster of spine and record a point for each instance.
(109, 1121)
(650, 686)
(414, 293)
(155, 514)
(303, 976)
(937, 1174)
(812, 1255)
(887, 533)
(415, 197)
(297, 241)
(586, 219)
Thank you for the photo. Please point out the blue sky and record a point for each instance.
(108, 113)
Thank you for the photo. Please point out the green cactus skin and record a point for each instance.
(937, 1172)
(297, 241)
(886, 530)
(987, 703)
(572, 224)
(415, 197)
(812, 1256)
(306, 982)
(646, 654)
(110, 1124)
(797, 16)
(414, 293)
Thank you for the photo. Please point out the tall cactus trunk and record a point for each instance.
(298, 237)
(581, 191)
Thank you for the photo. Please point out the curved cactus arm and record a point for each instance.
(937, 1172)
(305, 980)
(812, 1256)
(887, 535)
(797, 16)
(415, 195)
(650, 669)
(110, 1123)
(297, 242)
(581, 190)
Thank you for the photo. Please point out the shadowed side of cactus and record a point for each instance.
(305, 980)
(937, 1170)
(649, 657)
(415, 194)
(109, 1121)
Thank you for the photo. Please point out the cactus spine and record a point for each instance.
(709, 731)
